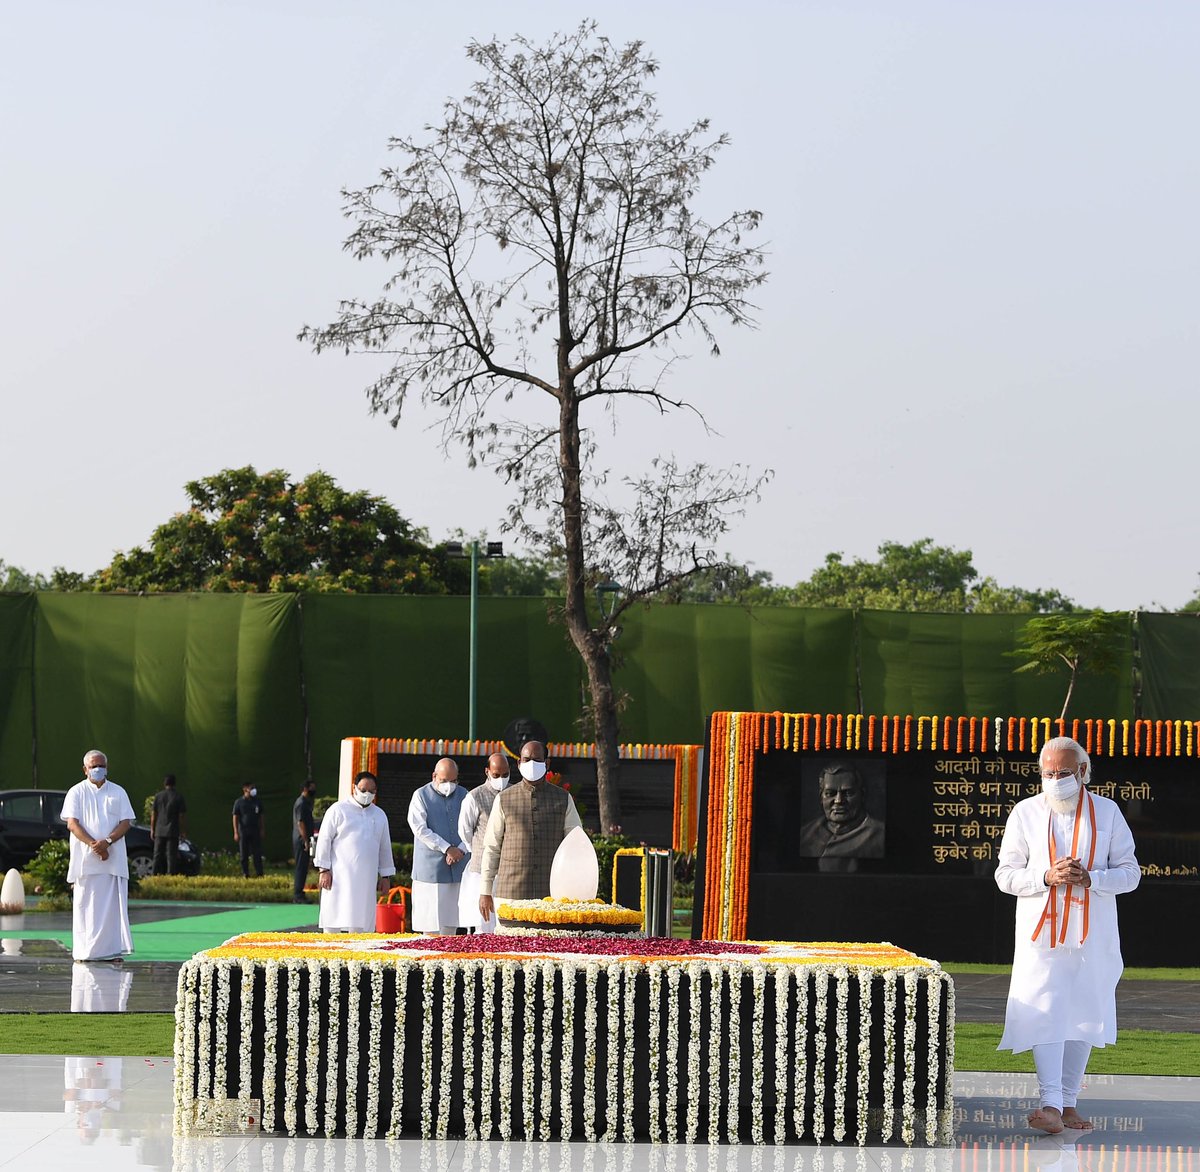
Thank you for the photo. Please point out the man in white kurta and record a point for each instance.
(439, 853)
(354, 857)
(472, 829)
(98, 815)
(1066, 855)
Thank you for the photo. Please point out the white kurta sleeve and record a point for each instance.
(325, 837)
(420, 826)
(387, 865)
(492, 842)
(468, 818)
(1120, 871)
(1015, 874)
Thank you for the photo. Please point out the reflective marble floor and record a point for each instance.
(115, 1114)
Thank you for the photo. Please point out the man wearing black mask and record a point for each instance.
(303, 827)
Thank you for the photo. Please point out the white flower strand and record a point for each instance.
(716, 974)
(889, 1055)
(528, 1006)
(865, 990)
(822, 980)
(782, 1057)
(546, 1107)
(291, 1069)
(204, 1053)
(566, 1100)
(184, 1051)
(908, 1120)
(589, 1053)
(800, 1051)
(842, 984)
(402, 972)
(487, 1063)
(470, 975)
(758, 979)
(734, 1029)
(374, 1040)
(270, 1041)
(946, 1131)
(354, 983)
(612, 1054)
(246, 1033)
(221, 1053)
(933, 994)
(674, 974)
(312, 1050)
(654, 975)
(507, 985)
(428, 976)
(627, 1051)
(449, 1047)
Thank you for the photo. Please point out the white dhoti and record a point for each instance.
(100, 918)
(435, 907)
(468, 904)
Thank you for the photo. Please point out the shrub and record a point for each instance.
(218, 888)
(607, 846)
(49, 867)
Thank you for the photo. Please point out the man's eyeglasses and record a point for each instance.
(1057, 774)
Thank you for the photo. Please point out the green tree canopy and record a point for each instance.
(918, 576)
(254, 532)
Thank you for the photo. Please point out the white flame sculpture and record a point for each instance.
(575, 871)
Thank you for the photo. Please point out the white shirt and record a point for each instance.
(99, 810)
(355, 846)
(419, 824)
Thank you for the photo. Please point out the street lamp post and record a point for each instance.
(495, 549)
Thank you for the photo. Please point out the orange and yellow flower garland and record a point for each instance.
(735, 737)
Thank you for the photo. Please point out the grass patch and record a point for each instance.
(1136, 1052)
(140, 1034)
(1131, 974)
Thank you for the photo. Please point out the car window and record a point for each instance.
(21, 807)
(53, 807)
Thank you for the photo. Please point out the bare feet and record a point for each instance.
(1046, 1119)
(1072, 1118)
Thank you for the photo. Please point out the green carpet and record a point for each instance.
(182, 937)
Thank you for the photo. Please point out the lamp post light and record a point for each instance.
(492, 549)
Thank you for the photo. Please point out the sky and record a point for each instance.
(981, 225)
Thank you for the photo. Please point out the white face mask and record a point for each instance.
(254, 793)
(533, 770)
(363, 797)
(1061, 790)
(497, 783)
(445, 788)
(97, 773)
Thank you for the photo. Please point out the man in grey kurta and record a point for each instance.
(527, 823)
(439, 853)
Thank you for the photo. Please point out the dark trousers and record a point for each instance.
(303, 863)
(166, 855)
(250, 846)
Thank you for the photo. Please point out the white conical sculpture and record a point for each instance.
(12, 893)
(575, 872)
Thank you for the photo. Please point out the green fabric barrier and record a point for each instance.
(679, 663)
(203, 686)
(1170, 658)
(949, 664)
(395, 666)
(16, 693)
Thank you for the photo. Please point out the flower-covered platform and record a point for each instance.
(566, 1037)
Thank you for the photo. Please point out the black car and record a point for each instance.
(30, 817)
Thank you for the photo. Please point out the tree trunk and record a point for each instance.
(1070, 689)
(591, 644)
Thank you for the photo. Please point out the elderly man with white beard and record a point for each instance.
(1066, 855)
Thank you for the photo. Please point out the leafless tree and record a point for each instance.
(545, 263)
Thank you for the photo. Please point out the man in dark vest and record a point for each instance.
(528, 821)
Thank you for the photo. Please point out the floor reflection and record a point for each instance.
(92, 1089)
(100, 988)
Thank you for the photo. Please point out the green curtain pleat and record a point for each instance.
(1170, 659)
(17, 613)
